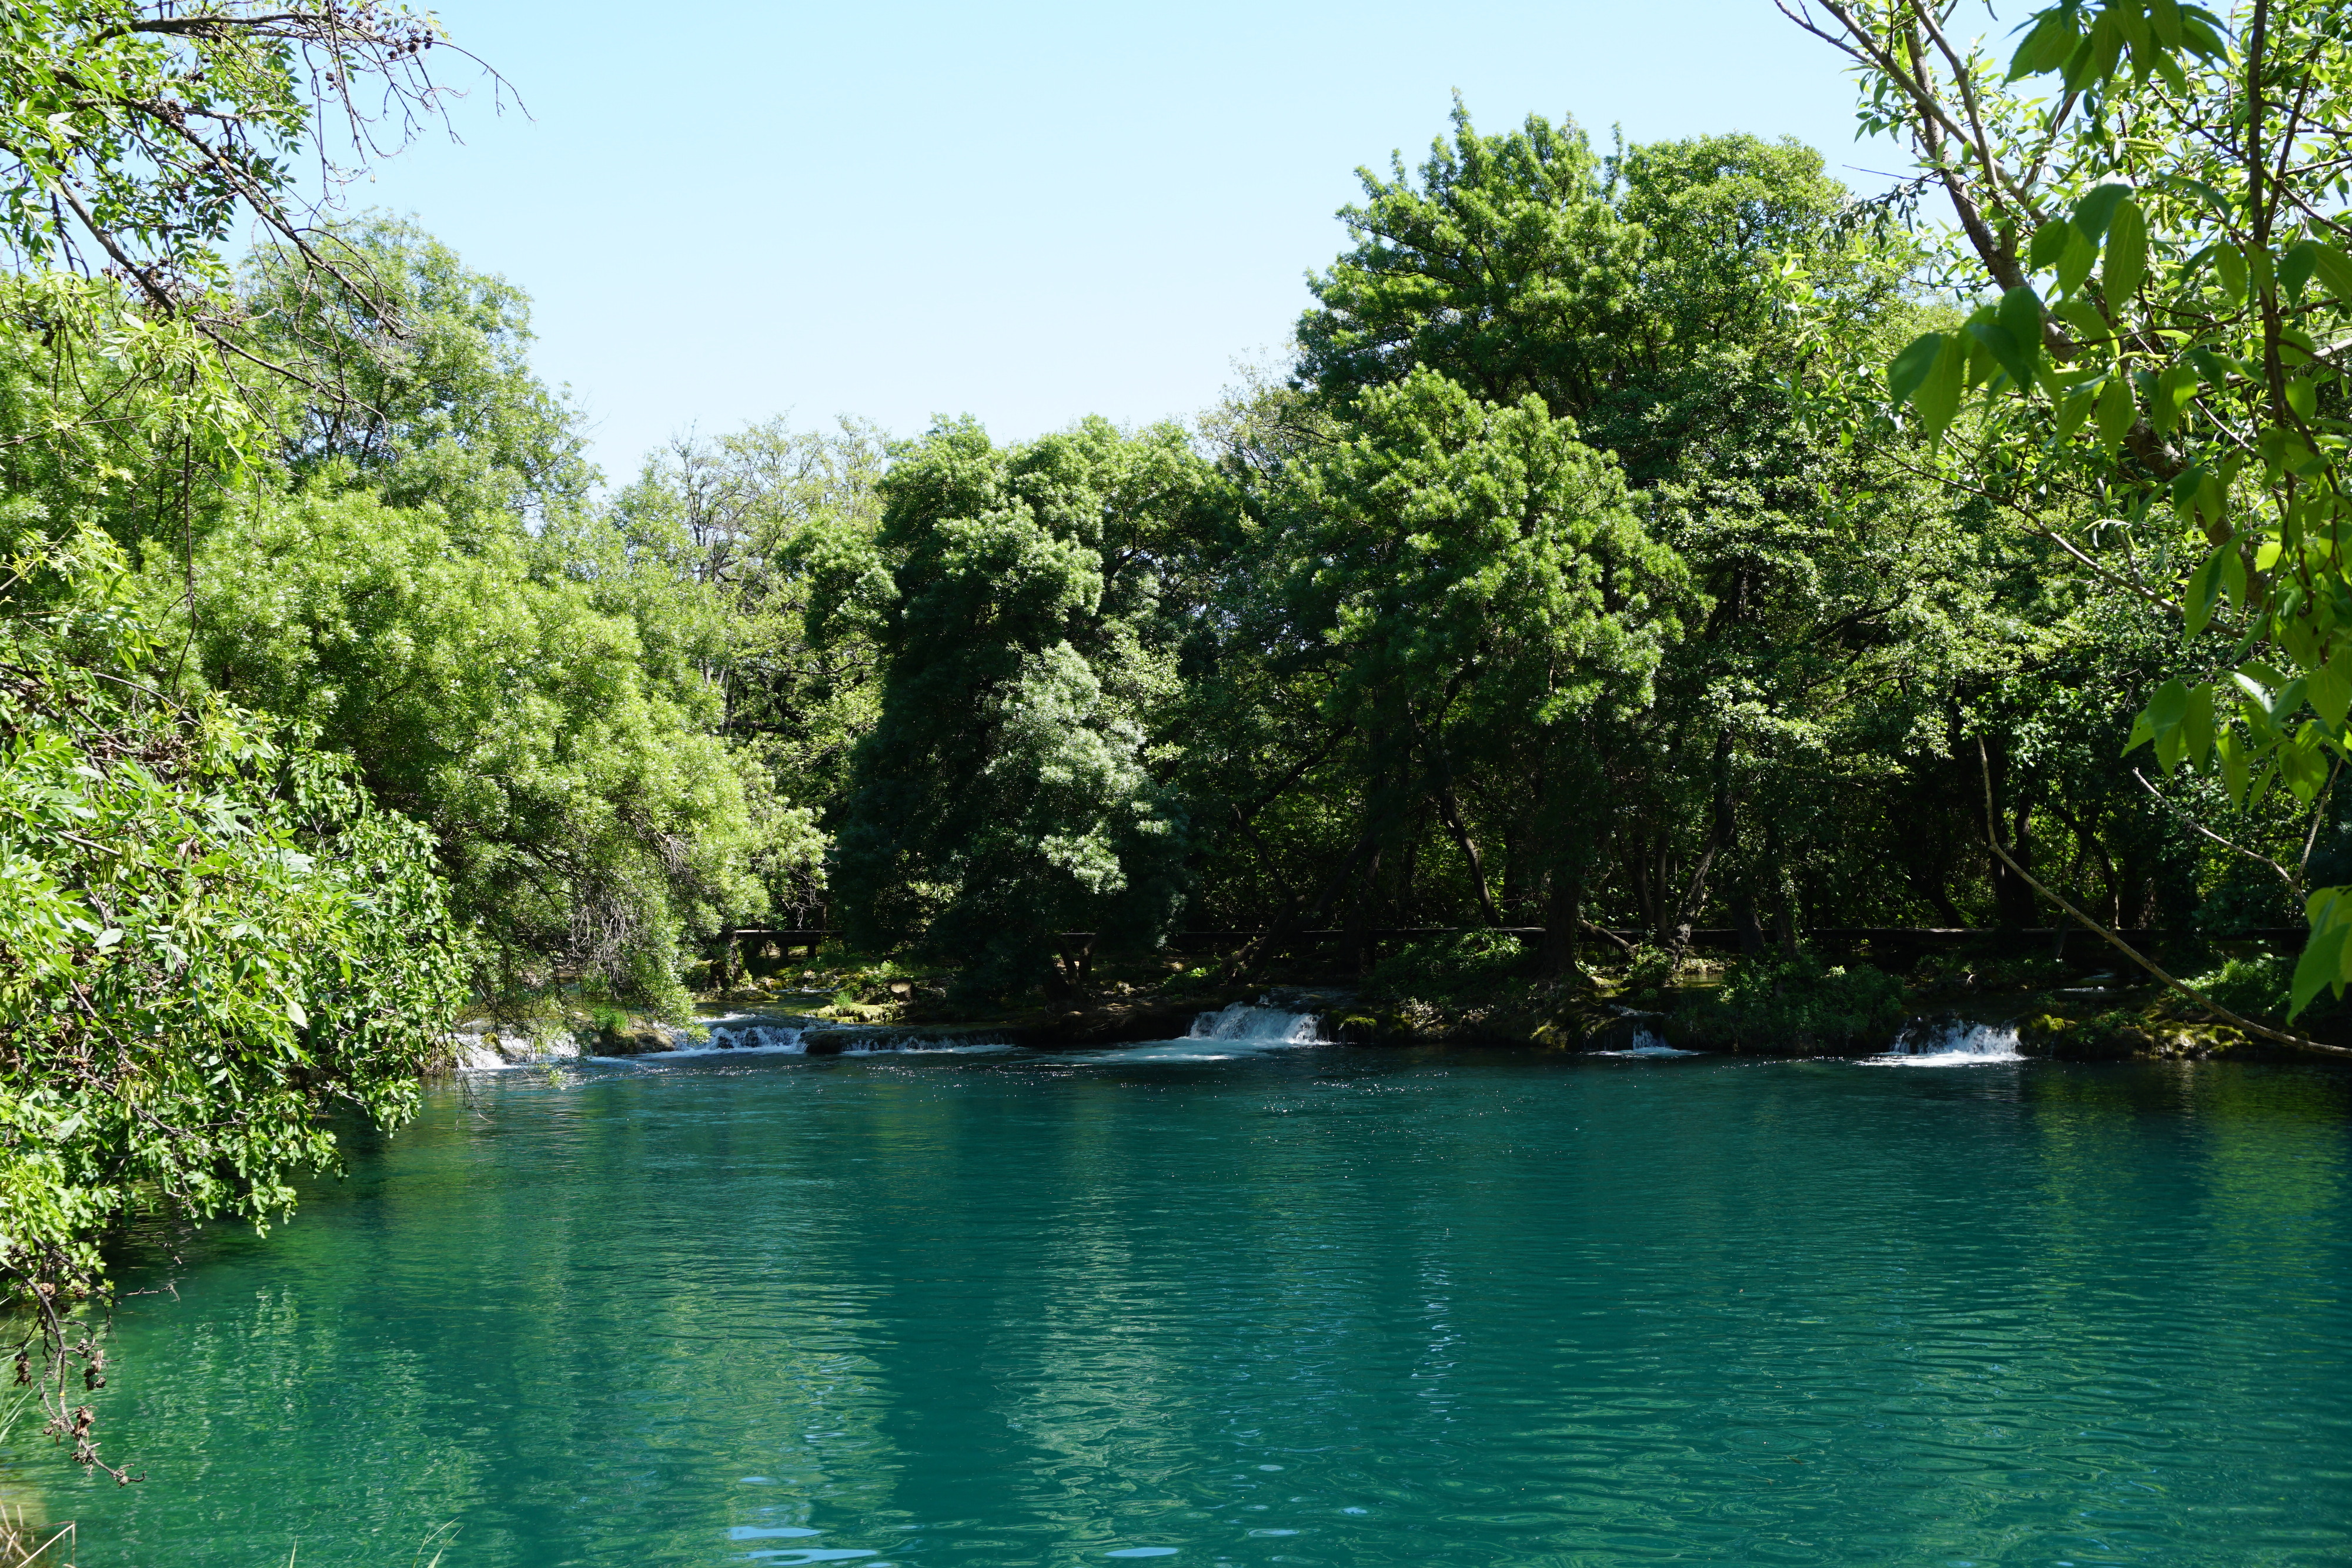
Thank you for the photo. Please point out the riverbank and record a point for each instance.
(1471, 996)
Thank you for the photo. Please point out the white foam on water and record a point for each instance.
(1258, 1026)
(1648, 1042)
(475, 1054)
(1239, 1031)
(740, 1039)
(1952, 1045)
(491, 1053)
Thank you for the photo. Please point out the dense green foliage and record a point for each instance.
(582, 804)
(2159, 244)
(1005, 793)
(208, 940)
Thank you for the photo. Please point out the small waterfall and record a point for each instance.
(749, 1036)
(1647, 1042)
(1262, 1025)
(1953, 1044)
(472, 1053)
(485, 1051)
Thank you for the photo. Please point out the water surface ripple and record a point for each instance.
(1306, 1305)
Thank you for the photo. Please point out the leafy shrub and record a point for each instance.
(2257, 987)
(1444, 966)
(1651, 969)
(1991, 971)
(1796, 1003)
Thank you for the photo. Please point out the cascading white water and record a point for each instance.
(1265, 1025)
(773, 1039)
(490, 1053)
(1648, 1042)
(1953, 1044)
(746, 1037)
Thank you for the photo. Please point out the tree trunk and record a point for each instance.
(1719, 835)
(1450, 809)
(1563, 937)
(1751, 930)
(2012, 900)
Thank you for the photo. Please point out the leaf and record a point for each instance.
(2133, 23)
(2167, 711)
(2075, 261)
(2297, 270)
(2164, 18)
(2076, 409)
(2045, 47)
(2197, 725)
(2051, 241)
(2092, 213)
(2233, 574)
(2021, 317)
(2303, 766)
(2215, 369)
(2230, 264)
(2174, 389)
(2115, 411)
(2106, 45)
(1911, 367)
(2204, 587)
(2330, 693)
(2334, 269)
(2018, 358)
(1938, 396)
(2198, 37)
(107, 938)
(2127, 266)
(2339, 668)
(2288, 699)
(2321, 966)
(295, 1015)
(2232, 754)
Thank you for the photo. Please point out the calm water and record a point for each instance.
(1311, 1305)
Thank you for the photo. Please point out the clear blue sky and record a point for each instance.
(1025, 212)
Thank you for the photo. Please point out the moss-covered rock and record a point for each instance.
(2119, 1036)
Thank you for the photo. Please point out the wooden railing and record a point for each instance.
(1711, 937)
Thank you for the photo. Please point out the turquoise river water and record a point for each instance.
(1267, 1304)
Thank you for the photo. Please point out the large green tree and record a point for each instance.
(211, 939)
(1468, 588)
(426, 396)
(1010, 789)
(1687, 304)
(588, 817)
